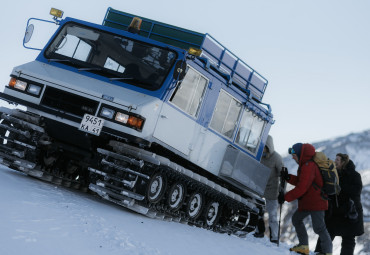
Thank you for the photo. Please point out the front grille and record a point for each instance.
(68, 102)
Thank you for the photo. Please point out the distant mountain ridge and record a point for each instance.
(356, 145)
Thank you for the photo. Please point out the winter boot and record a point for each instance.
(301, 249)
(258, 235)
(274, 241)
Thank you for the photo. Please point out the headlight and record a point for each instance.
(34, 89)
(17, 84)
(129, 120)
(107, 113)
(121, 117)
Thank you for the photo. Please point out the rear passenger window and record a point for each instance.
(250, 131)
(226, 115)
(190, 93)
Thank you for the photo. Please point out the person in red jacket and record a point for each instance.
(310, 202)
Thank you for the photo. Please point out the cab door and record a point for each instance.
(177, 124)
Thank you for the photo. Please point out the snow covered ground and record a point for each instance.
(41, 218)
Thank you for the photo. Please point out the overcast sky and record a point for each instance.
(315, 54)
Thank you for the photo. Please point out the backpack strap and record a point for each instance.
(322, 194)
(317, 187)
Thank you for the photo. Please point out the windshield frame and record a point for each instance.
(161, 69)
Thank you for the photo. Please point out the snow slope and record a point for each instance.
(41, 218)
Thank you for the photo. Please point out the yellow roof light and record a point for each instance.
(135, 25)
(195, 52)
(56, 13)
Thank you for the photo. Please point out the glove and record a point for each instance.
(284, 174)
(281, 198)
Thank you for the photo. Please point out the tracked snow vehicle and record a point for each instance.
(159, 119)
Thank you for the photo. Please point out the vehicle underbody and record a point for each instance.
(148, 180)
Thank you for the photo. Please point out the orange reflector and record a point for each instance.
(135, 122)
(12, 82)
(17, 84)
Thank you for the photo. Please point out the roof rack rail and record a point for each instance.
(247, 79)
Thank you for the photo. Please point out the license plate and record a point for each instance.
(91, 124)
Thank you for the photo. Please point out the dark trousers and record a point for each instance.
(318, 226)
(348, 245)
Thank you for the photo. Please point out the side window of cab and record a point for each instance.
(189, 94)
(226, 115)
(250, 131)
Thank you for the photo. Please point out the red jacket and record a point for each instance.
(309, 197)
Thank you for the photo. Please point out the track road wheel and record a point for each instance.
(176, 196)
(212, 213)
(156, 187)
(195, 205)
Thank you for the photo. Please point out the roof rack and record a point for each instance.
(247, 79)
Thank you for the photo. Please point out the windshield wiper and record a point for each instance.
(130, 80)
(89, 69)
(118, 79)
(58, 60)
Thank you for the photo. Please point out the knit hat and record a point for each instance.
(296, 149)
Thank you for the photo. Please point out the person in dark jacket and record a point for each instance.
(273, 160)
(338, 220)
(310, 202)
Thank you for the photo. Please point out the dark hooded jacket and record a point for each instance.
(272, 160)
(351, 186)
(309, 197)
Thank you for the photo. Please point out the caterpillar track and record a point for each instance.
(26, 147)
(129, 176)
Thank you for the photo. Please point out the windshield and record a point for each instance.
(113, 56)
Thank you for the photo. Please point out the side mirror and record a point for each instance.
(40, 36)
(28, 33)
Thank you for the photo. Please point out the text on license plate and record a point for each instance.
(91, 124)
